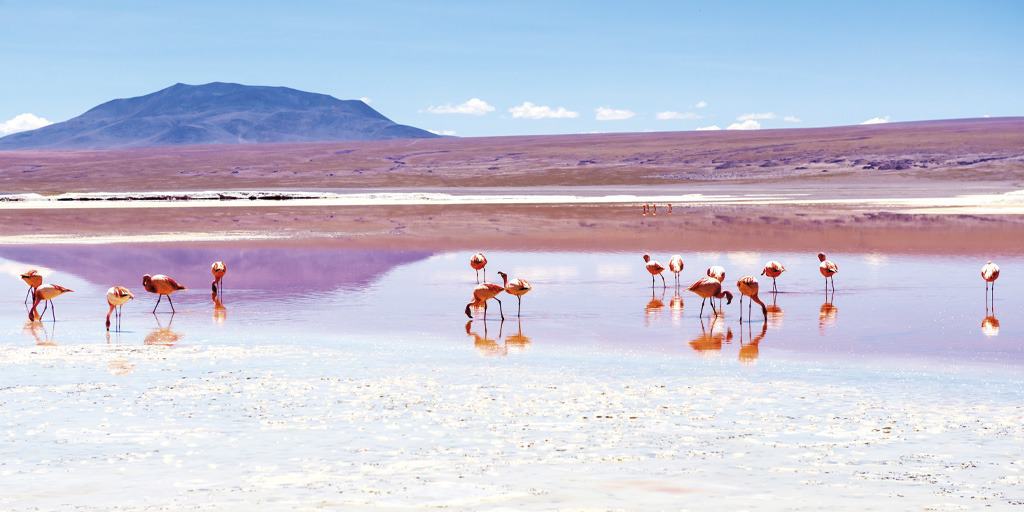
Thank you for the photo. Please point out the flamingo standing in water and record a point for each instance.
(828, 268)
(655, 269)
(481, 294)
(46, 293)
(161, 285)
(749, 287)
(675, 264)
(717, 272)
(218, 269)
(773, 269)
(709, 288)
(34, 280)
(479, 262)
(517, 287)
(990, 272)
(117, 296)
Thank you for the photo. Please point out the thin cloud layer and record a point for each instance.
(449, 133)
(711, 128)
(791, 119)
(670, 115)
(756, 116)
(529, 110)
(612, 114)
(472, 106)
(748, 124)
(700, 104)
(22, 123)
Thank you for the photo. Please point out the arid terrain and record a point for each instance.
(936, 185)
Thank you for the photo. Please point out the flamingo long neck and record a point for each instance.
(32, 312)
(504, 280)
(757, 300)
(109, 311)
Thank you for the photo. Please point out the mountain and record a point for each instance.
(215, 113)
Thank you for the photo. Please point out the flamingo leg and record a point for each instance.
(485, 274)
(53, 311)
(741, 309)
(652, 281)
(749, 306)
(663, 284)
(172, 304)
(477, 277)
(774, 288)
(45, 302)
(500, 310)
(702, 308)
(485, 317)
(29, 293)
(519, 306)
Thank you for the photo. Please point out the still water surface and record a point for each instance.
(331, 379)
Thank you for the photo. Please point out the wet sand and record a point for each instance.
(329, 378)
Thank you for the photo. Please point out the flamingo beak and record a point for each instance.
(468, 313)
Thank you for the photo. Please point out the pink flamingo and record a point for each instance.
(218, 269)
(655, 269)
(481, 294)
(117, 296)
(34, 280)
(828, 268)
(710, 288)
(675, 264)
(518, 288)
(46, 293)
(749, 287)
(773, 269)
(161, 285)
(479, 262)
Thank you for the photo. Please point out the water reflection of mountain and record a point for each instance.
(283, 268)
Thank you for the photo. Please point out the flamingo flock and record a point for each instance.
(117, 296)
(707, 287)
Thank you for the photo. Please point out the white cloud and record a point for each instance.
(701, 104)
(748, 124)
(612, 114)
(529, 110)
(877, 120)
(669, 115)
(442, 132)
(23, 122)
(472, 106)
(708, 128)
(365, 99)
(791, 119)
(756, 116)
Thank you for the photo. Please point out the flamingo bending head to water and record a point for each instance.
(655, 269)
(749, 287)
(46, 293)
(479, 262)
(34, 280)
(481, 294)
(117, 296)
(518, 288)
(708, 287)
(218, 269)
(161, 285)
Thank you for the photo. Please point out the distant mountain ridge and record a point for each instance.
(216, 113)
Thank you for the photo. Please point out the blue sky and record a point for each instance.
(700, 64)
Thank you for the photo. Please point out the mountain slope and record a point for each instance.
(216, 113)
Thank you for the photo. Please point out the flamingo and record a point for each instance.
(218, 269)
(479, 262)
(990, 272)
(33, 279)
(828, 268)
(117, 296)
(773, 269)
(517, 287)
(481, 294)
(655, 269)
(675, 264)
(748, 286)
(710, 288)
(46, 293)
(717, 272)
(161, 285)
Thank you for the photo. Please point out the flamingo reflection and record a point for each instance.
(990, 326)
(488, 347)
(163, 335)
(775, 312)
(750, 351)
(654, 306)
(827, 315)
(40, 335)
(518, 341)
(220, 313)
(710, 340)
(675, 306)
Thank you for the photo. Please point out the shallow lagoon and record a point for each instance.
(337, 378)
